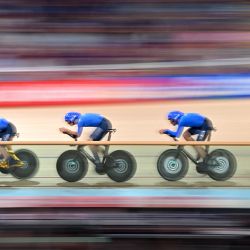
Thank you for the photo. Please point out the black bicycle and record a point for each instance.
(119, 165)
(173, 164)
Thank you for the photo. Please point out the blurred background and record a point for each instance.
(132, 61)
(187, 55)
(84, 33)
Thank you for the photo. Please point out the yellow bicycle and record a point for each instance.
(22, 164)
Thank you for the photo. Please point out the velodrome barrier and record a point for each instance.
(146, 154)
(147, 188)
(146, 143)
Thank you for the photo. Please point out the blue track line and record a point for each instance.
(232, 193)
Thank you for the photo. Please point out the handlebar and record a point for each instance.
(72, 136)
(174, 138)
(112, 130)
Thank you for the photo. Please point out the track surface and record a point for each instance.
(134, 122)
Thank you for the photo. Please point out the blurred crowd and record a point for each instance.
(97, 32)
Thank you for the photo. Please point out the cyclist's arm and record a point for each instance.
(176, 133)
(68, 131)
(79, 131)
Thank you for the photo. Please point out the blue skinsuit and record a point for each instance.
(192, 120)
(101, 123)
(88, 120)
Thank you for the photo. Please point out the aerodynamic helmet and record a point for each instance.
(71, 116)
(175, 115)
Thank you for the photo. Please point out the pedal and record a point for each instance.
(4, 164)
(201, 168)
(100, 169)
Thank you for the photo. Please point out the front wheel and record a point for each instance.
(30, 167)
(71, 166)
(222, 165)
(172, 165)
(120, 166)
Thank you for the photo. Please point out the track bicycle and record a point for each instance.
(22, 164)
(119, 165)
(173, 164)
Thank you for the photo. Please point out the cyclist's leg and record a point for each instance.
(3, 161)
(9, 136)
(202, 135)
(4, 151)
(98, 135)
(202, 167)
(188, 137)
(6, 135)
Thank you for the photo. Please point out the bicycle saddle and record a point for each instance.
(112, 129)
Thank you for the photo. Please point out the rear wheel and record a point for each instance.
(72, 166)
(30, 167)
(120, 166)
(222, 164)
(172, 165)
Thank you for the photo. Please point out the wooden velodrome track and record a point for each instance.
(134, 122)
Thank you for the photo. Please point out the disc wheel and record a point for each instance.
(30, 167)
(72, 166)
(222, 164)
(172, 165)
(120, 166)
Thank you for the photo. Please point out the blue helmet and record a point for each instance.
(175, 115)
(71, 116)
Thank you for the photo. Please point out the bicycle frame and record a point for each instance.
(106, 149)
(185, 152)
(181, 148)
(13, 156)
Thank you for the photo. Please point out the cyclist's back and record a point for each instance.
(90, 120)
(191, 120)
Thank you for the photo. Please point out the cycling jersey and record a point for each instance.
(94, 120)
(195, 121)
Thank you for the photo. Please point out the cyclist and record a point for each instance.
(7, 133)
(101, 123)
(198, 125)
